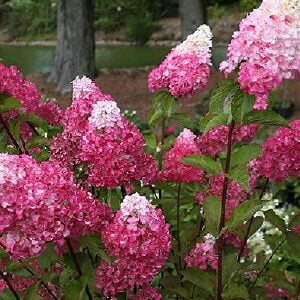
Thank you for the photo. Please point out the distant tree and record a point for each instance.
(192, 15)
(75, 49)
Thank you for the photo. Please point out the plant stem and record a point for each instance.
(42, 282)
(162, 142)
(250, 223)
(78, 267)
(178, 228)
(11, 137)
(223, 207)
(9, 285)
(266, 264)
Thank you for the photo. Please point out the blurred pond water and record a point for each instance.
(32, 59)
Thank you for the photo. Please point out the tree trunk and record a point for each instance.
(75, 49)
(192, 15)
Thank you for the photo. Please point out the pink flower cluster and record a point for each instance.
(139, 240)
(266, 48)
(97, 137)
(215, 140)
(13, 84)
(174, 170)
(186, 69)
(41, 204)
(281, 153)
(50, 111)
(204, 255)
(235, 194)
(275, 293)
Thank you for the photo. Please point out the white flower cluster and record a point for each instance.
(197, 43)
(105, 114)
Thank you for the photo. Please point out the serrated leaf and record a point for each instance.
(202, 279)
(75, 290)
(275, 220)
(183, 118)
(245, 154)
(235, 291)
(42, 155)
(215, 121)
(255, 225)
(156, 117)
(34, 120)
(222, 96)
(14, 128)
(212, 212)
(37, 142)
(47, 258)
(241, 105)
(32, 292)
(203, 162)
(95, 246)
(293, 241)
(243, 213)
(268, 117)
(8, 103)
(241, 175)
(13, 266)
(66, 275)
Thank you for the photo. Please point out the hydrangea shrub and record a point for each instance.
(91, 207)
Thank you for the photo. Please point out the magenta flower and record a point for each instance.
(139, 240)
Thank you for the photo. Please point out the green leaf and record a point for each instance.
(222, 96)
(293, 241)
(47, 258)
(38, 142)
(202, 279)
(183, 118)
(8, 103)
(230, 267)
(4, 254)
(255, 225)
(14, 128)
(241, 105)
(75, 290)
(32, 292)
(156, 117)
(172, 285)
(34, 120)
(275, 220)
(243, 212)
(235, 291)
(167, 105)
(215, 121)
(42, 156)
(212, 212)
(245, 154)
(6, 294)
(203, 162)
(268, 117)
(13, 266)
(66, 276)
(241, 175)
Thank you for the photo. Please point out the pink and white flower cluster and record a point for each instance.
(139, 240)
(203, 255)
(281, 155)
(186, 68)
(174, 170)
(41, 204)
(97, 137)
(266, 48)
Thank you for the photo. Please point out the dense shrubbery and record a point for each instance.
(93, 208)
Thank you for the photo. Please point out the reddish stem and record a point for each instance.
(222, 217)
